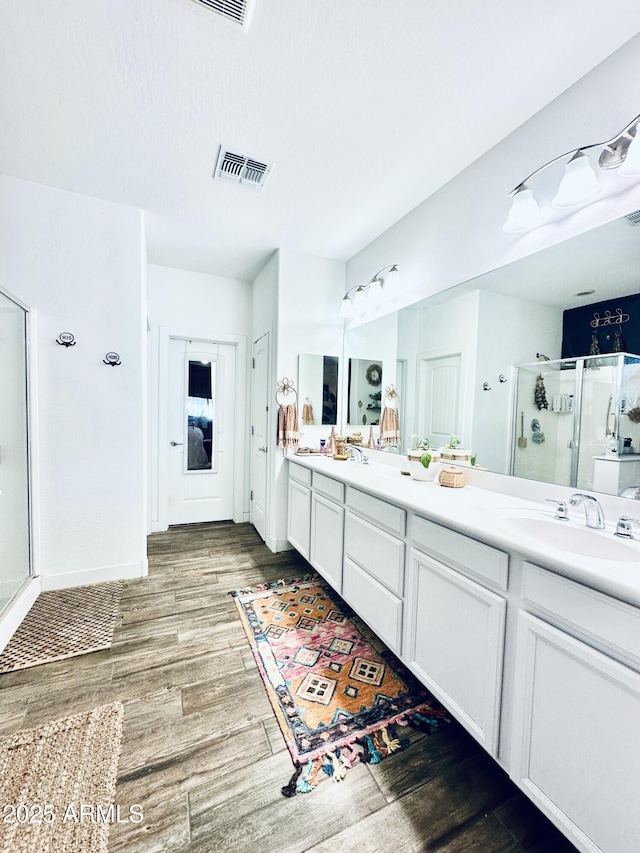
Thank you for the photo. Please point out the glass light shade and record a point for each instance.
(376, 294)
(579, 184)
(524, 214)
(392, 284)
(359, 301)
(631, 165)
(346, 308)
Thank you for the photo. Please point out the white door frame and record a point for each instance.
(267, 490)
(165, 333)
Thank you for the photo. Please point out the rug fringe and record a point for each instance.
(282, 582)
(289, 790)
(376, 745)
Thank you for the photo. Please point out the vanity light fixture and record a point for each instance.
(580, 183)
(362, 298)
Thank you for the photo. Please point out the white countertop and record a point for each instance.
(473, 511)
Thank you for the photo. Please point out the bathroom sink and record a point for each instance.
(569, 536)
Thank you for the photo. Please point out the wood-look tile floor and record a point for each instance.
(201, 750)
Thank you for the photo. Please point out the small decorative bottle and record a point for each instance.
(331, 444)
(372, 442)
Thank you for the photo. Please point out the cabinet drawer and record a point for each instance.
(328, 487)
(594, 615)
(473, 558)
(327, 536)
(299, 474)
(379, 608)
(384, 515)
(376, 551)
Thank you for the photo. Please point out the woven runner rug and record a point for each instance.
(57, 784)
(338, 693)
(63, 623)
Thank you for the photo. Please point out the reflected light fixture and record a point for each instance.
(370, 297)
(580, 183)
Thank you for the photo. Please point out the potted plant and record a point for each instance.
(453, 450)
(423, 461)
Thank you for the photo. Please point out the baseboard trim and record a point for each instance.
(18, 610)
(88, 576)
(277, 545)
(158, 527)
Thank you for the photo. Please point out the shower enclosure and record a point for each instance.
(15, 557)
(574, 422)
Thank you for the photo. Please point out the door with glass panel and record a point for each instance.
(14, 452)
(201, 431)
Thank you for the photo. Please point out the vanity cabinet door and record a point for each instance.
(299, 517)
(576, 747)
(327, 537)
(454, 642)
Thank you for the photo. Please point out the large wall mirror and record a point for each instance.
(462, 346)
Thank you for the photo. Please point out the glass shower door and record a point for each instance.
(547, 400)
(15, 555)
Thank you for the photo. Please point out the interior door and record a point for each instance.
(440, 398)
(14, 463)
(259, 442)
(201, 429)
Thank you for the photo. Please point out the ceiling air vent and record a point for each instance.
(633, 218)
(242, 169)
(235, 12)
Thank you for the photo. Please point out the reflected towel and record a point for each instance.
(307, 414)
(389, 426)
(288, 434)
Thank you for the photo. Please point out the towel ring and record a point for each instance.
(285, 387)
(390, 393)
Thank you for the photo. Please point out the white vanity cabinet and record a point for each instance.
(374, 557)
(299, 509)
(576, 711)
(455, 624)
(542, 670)
(327, 529)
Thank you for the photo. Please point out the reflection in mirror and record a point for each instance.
(574, 422)
(374, 344)
(201, 381)
(318, 385)
(506, 318)
(364, 403)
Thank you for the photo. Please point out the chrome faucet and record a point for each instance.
(359, 455)
(623, 527)
(592, 507)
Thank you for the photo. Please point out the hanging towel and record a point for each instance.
(307, 413)
(540, 394)
(288, 434)
(389, 426)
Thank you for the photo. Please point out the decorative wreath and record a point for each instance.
(374, 374)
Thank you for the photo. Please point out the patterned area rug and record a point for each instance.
(57, 784)
(63, 623)
(338, 693)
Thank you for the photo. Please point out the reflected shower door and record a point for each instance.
(14, 452)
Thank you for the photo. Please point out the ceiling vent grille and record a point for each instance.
(633, 218)
(236, 12)
(242, 169)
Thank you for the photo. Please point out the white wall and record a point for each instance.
(306, 292)
(202, 306)
(522, 329)
(79, 262)
(456, 234)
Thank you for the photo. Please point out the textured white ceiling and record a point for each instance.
(366, 107)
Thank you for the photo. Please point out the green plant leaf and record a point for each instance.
(425, 459)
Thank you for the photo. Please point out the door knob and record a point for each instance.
(176, 443)
(262, 449)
